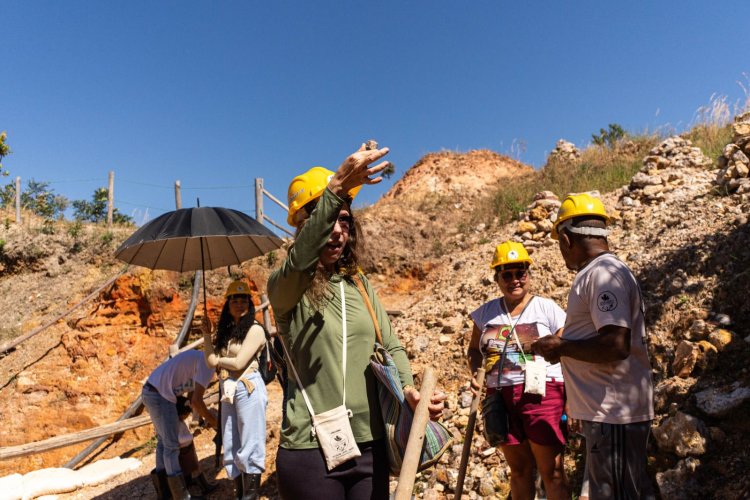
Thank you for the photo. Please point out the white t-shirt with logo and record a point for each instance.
(541, 317)
(180, 374)
(604, 293)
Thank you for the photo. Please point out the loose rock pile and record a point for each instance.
(565, 151)
(662, 172)
(734, 162)
(535, 224)
(690, 344)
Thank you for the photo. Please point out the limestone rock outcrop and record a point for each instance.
(734, 162)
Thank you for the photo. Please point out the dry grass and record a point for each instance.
(599, 168)
(710, 138)
(710, 128)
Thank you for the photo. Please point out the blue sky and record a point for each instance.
(217, 93)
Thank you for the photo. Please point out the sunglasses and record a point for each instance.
(518, 274)
(345, 221)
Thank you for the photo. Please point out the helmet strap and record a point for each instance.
(584, 231)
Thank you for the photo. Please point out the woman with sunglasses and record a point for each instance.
(328, 335)
(530, 389)
(235, 352)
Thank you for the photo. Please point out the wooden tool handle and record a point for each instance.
(469, 435)
(416, 437)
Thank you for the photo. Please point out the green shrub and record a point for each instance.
(271, 258)
(48, 227)
(96, 209)
(609, 137)
(107, 237)
(75, 230)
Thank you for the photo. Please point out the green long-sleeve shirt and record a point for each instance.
(314, 338)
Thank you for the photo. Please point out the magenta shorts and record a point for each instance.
(535, 418)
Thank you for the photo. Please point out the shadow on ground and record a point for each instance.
(142, 487)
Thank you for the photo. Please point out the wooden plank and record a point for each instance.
(273, 223)
(275, 200)
(75, 438)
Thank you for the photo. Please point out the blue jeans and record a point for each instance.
(163, 414)
(243, 427)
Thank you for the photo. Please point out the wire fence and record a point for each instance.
(124, 200)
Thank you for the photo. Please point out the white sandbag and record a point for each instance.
(43, 482)
(103, 470)
(11, 487)
(50, 481)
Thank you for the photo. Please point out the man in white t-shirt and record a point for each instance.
(603, 354)
(186, 372)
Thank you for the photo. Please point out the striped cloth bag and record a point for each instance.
(398, 415)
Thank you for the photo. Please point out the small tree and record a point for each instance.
(96, 210)
(4, 151)
(388, 171)
(39, 199)
(609, 137)
(8, 195)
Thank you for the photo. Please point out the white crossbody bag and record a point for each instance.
(535, 371)
(332, 427)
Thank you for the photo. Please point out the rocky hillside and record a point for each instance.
(688, 245)
(427, 207)
(681, 224)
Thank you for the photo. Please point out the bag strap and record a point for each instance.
(513, 325)
(296, 378)
(512, 333)
(343, 359)
(366, 298)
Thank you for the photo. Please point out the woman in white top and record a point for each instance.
(530, 390)
(239, 340)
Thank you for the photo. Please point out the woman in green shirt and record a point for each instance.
(306, 295)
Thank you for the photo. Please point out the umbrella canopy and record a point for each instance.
(190, 239)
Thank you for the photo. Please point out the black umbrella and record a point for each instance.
(202, 238)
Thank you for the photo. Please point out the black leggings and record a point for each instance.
(302, 474)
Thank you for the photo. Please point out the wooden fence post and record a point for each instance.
(110, 198)
(18, 200)
(177, 195)
(259, 199)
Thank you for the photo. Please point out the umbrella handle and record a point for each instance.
(203, 275)
(205, 304)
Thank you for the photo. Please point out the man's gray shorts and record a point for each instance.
(616, 460)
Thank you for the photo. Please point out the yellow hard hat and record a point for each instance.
(237, 287)
(308, 187)
(510, 252)
(578, 204)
